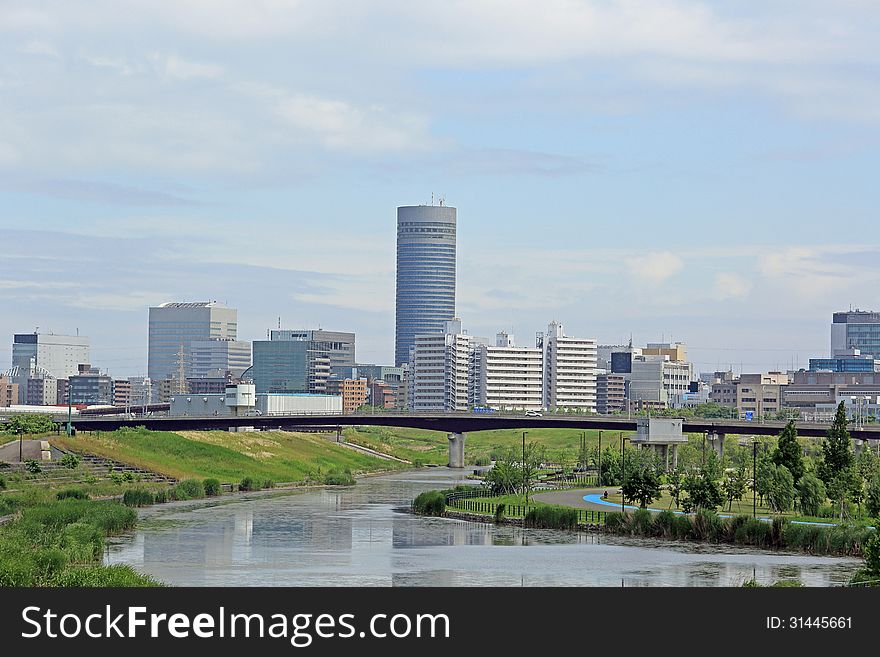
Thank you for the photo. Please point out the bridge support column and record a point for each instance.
(456, 450)
(717, 440)
(858, 444)
(675, 457)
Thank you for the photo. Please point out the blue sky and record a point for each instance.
(700, 171)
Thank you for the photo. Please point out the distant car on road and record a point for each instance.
(533, 414)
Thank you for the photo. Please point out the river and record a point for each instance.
(359, 536)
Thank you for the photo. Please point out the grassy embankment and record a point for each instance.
(229, 457)
(431, 447)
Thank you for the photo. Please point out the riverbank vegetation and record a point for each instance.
(61, 542)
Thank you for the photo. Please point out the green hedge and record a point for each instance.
(552, 517)
(430, 503)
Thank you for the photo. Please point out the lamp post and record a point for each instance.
(525, 489)
(69, 412)
(20, 444)
(599, 459)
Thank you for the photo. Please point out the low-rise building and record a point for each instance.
(352, 391)
(91, 387)
(610, 393)
(8, 392)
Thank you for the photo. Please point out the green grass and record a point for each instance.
(431, 447)
(228, 457)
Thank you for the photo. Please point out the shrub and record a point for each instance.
(267, 483)
(115, 477)
(777, 530)
(872, 554)
(339, 477)
(247, 484)
(551, 517)
(128, 476)
(161, 496)
(70, 461)
(663, 524)
(82, 542)
(430, 503)
(72, 493)
(615, 522)
(2, 483)
(481, 461)
(138, 497)
(684, 528)
(32, 466)
(212, 487)
(499, 511)
(188, 489)
(640, 522)
(707, 526)
(116, 576)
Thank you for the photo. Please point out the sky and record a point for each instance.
(704, 172)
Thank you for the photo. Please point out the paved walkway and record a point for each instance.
(30, 450)
(574, 498)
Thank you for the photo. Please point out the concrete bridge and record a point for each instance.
(456, 425)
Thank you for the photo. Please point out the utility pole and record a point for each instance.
(525, 484)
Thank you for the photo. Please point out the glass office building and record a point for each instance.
(856, 329)
(425, 298)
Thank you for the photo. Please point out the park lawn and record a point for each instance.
(277, 455)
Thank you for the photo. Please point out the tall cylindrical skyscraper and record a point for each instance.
(425, 273)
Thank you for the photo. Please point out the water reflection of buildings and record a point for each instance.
(408, 532)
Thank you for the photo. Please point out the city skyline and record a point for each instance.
(671, 170)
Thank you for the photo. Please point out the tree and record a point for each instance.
(531, 460)
(702, 486)
(811, 494)
(642, 485)
(788, 452)
(505, 477)
(734, 486)
(764, 476)
(840, 490)
(674, 484)
(30, 423)
(873, 497)
(782, 492)
(837, 455)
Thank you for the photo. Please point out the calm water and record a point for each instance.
(359, 537)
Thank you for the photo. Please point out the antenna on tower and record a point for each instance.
(279, 322)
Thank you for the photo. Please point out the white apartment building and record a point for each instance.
(570, 366)
(505, 376)
(655, 379)
(438, 374)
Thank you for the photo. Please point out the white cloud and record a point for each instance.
(340, 125)
(654, 267)
(182, 69)
(117, 64)
(39, 48)
(730, 286)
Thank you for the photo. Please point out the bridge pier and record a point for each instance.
(456, 450)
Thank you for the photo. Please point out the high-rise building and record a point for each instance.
(569, 370)
(213, 358)
(425, 297)
(856, 329)
(286, 365)
(505, 376)
(57, 355)
(175, 326)
(338, 345)
(122, 392)
(438, 371)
